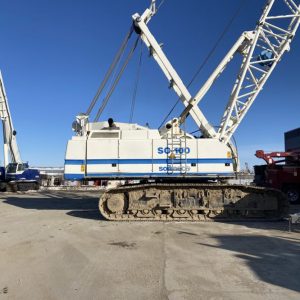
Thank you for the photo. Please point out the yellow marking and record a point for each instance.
(172, 156)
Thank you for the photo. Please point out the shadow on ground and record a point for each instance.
(275, 260)
(77, 205)
(281, 225)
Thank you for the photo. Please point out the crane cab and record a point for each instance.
(21, 171)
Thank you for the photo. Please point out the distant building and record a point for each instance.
(51, 176)
(54, 176)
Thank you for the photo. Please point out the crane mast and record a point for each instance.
(261, 50)
(11, 149)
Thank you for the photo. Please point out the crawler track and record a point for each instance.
(192, 202)
(23, 186)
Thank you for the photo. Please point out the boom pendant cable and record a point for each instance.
(116, 81)
(136, 85)
(109, 71)
(109, 74)
(211, 52)
(160, 4)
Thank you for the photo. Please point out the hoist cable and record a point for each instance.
(138, 73)
(112, 67)
(116, 81)
(160, 4)
(109, 71)
(211, 52)
(136, 85)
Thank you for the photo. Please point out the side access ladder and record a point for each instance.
(176, 156)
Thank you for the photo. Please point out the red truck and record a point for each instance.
(282, 169)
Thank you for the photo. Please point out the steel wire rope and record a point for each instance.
(136, 84)
(160, 4)
(211, 52)
(110, 70)
(112, 67)
(113, 75)
(116, 81)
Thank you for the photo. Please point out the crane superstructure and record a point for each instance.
(121, 150)
(17, 174)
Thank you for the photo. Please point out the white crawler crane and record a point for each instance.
(171, 157)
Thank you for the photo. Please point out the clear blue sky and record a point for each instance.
(54, 54)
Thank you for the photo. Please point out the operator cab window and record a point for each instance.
(11, 168)
(22, 167)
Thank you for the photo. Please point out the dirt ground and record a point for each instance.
(54, 245)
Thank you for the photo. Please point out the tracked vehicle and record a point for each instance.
(182, 177)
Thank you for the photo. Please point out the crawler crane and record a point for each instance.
(175, 168)
(16, 175)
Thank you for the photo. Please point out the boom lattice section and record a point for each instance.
(261, 51)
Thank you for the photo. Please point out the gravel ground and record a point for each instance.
(54, 245)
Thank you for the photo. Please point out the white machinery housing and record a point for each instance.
(133, 151)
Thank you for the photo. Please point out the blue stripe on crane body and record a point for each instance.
(147, 175)
(148, 161)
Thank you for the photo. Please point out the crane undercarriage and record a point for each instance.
(192, 202)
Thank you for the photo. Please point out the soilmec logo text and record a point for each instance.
(167, 150)
(174, 169)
